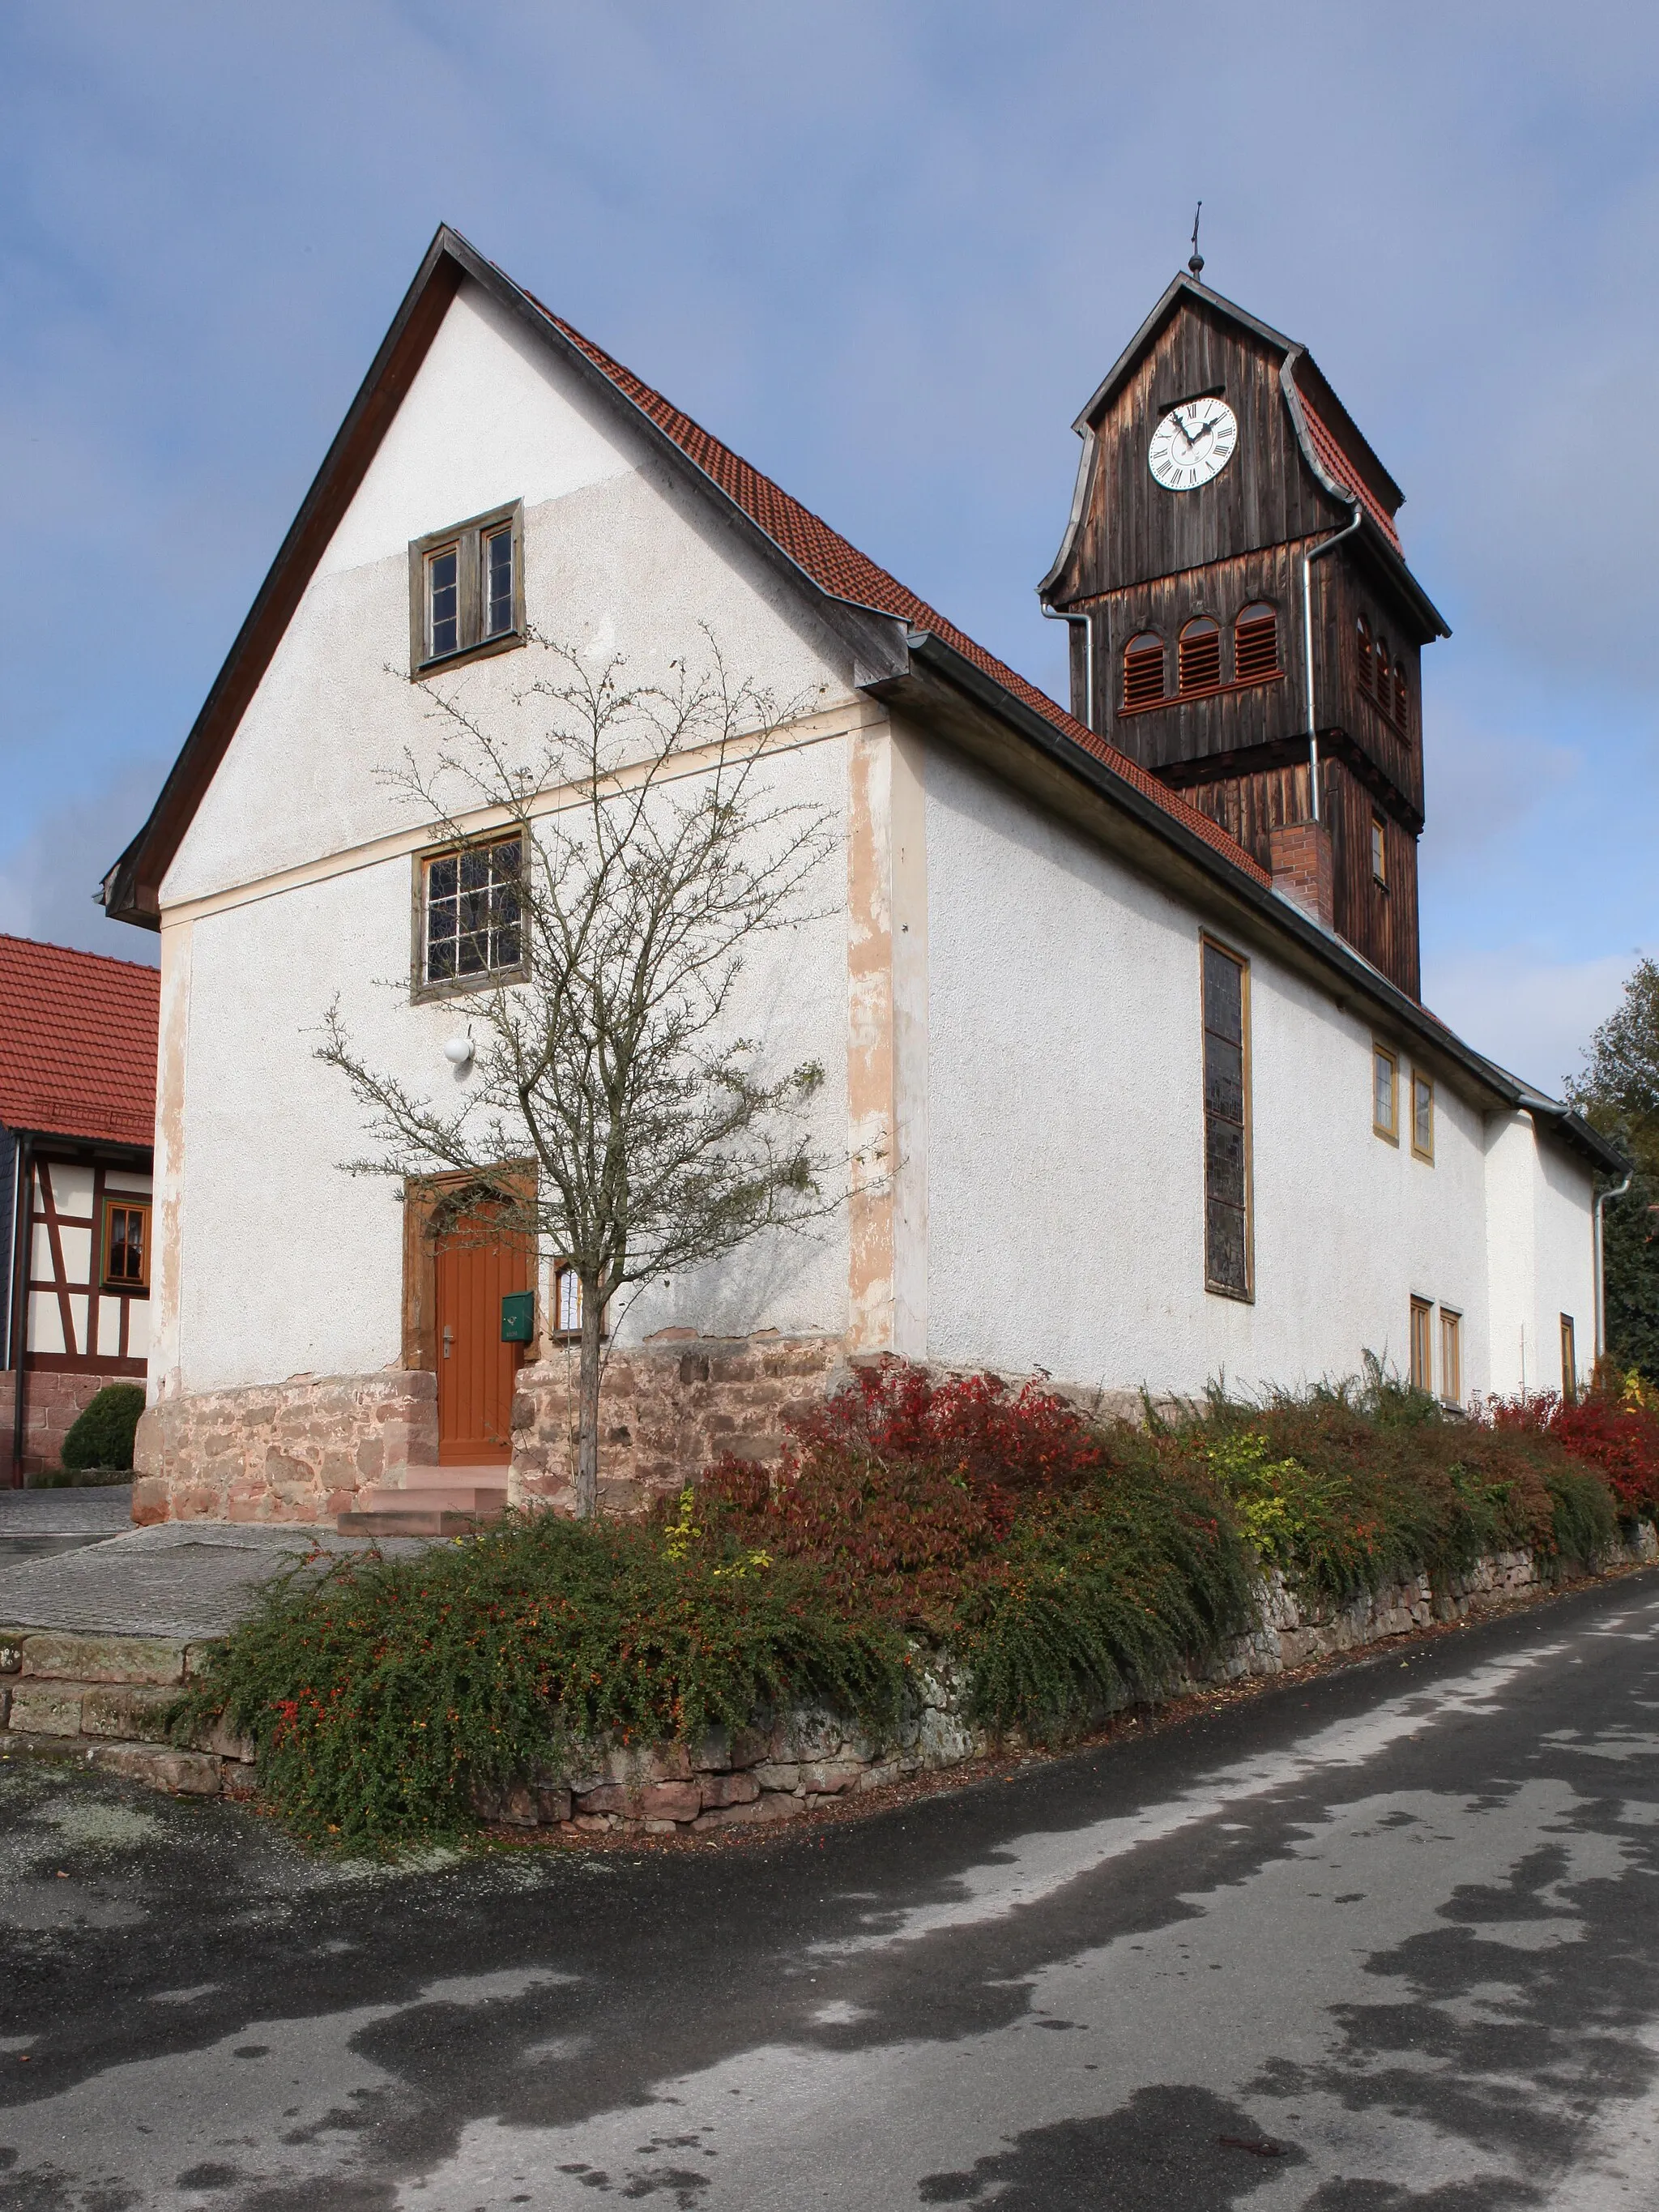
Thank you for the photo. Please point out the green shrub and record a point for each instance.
(379, 1691)
(102, 1432)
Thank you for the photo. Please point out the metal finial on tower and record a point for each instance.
(1195, 261)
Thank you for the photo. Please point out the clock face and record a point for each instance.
(1193, 444)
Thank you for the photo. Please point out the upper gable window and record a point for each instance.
(466, 589)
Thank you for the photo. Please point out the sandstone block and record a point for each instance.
(712, 1753)
(48, 1654)
(11, 1652)
(5, 1708)
(184, 1773)
(553, 1804)
(608, 1797)
(46, 1710)
(828, 1777)
(725, 1789)
(239, 1782)
(778, 1774)
(131, 1710)
(671, 1801)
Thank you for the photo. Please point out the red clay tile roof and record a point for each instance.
(846, 574)
(1335, 463)
(77, 1043)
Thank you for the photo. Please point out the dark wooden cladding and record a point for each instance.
(1225, 718)
(1134, 530)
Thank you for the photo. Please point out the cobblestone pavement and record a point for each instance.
(1383, 1939)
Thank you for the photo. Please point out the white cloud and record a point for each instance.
(1533, 1016)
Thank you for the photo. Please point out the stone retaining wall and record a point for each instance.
(298, 1450)
(101, 1696)
(52, 1398)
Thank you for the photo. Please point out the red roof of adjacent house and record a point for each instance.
(77, 1043)
(841, 569)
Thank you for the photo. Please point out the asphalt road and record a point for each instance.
(1398, 1924)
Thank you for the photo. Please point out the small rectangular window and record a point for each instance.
(1385, 1093)
(471, 927)
(567, 1299)
(1451, 1356)
(1379, 852)
(1422, 1345)
(126, 1245)
(1227, 1123)
(1422, 1116)
(1569, 1360)
(466, 589)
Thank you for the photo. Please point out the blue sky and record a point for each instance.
(886, 250)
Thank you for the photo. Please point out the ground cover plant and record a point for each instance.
(1064, 1565)
(1347, 1487)
(378, 1691)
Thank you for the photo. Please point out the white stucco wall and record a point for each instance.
(1541, 1256)
(619, 557)
(1066, 1185)
(287, 1264)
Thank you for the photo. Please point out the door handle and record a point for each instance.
(449, 1338)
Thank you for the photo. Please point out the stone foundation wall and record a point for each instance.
(669, 1408)
(7, 1408)
(298, 1450)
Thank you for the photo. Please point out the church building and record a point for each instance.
(1118, 1004)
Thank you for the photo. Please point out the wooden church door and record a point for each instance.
(473, 1272)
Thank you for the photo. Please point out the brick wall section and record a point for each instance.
(52, 1398)
(1303, 869)
(299, 1450)
(668, 1408)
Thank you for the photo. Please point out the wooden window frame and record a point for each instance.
(467, 538)
(1420, 1151)
(1451, 1355)
(1420, 1370)
(1390, 1134)
(421, 989)
(1569, 1360)
(1379, 850)
(118, 1285)
(1133, 703)
(1207, 943)
(556, 1332)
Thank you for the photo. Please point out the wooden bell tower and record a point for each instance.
(1243, 622)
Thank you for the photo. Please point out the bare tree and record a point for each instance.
(613, 1115)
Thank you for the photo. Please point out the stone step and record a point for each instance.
(487, 1500)
(428, 1521)
(489, 1474)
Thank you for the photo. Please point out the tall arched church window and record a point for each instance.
(1363, 655)
(1199, 656)
(1143, 670)
(1255, 644)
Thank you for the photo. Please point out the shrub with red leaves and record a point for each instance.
(1623, 1441)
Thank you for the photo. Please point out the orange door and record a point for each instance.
(475, 1369)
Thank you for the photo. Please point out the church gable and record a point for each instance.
(498, 445)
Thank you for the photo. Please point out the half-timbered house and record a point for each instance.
(1117, 1005)
(77, 1114)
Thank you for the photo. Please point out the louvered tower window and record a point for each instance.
(1363, 655)
(1255, 644)
(1200, 656)
(1143, 670)
(1401, 709)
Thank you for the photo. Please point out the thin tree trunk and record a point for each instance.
(587, 1417)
